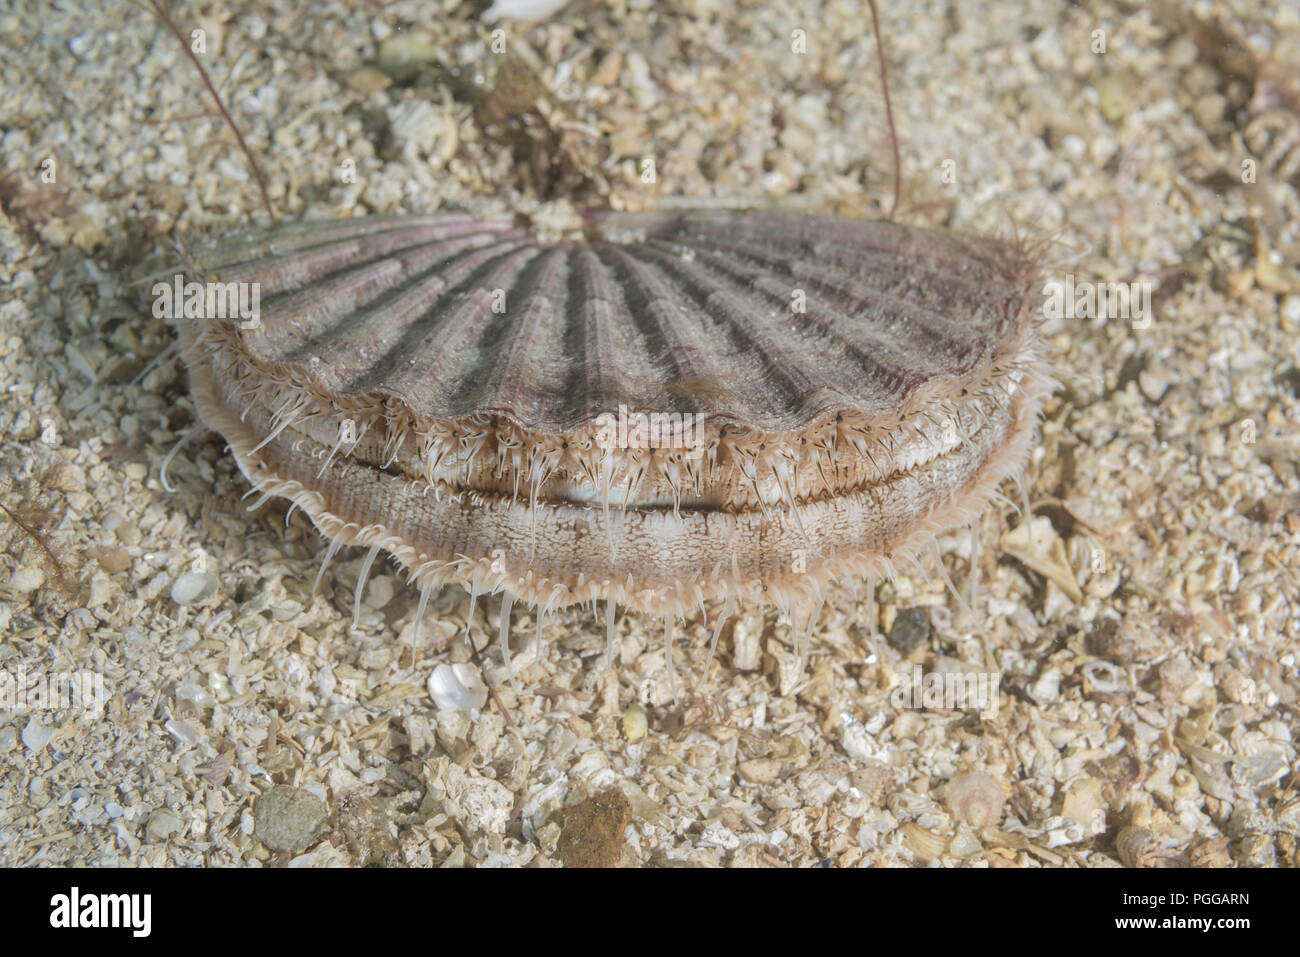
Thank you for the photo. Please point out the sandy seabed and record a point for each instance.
(1144, 636)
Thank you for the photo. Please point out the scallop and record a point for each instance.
(660, 410)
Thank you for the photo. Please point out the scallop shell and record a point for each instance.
(975, 798)
(482, 404)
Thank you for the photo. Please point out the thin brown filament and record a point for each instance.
(159, 9)
(889, 106)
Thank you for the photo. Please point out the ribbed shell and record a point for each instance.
(770, 320)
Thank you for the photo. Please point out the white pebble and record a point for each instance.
(522, 9)
(1047, 687)
(36, 735)
(193, 588)
(1060, 831)
(183, 731)
(457, 688)
(26, 578)
(381, 591)
(192, 691)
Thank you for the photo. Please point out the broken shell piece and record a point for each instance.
(1138, 847)
(457, 688)
(1102, 675)
(194, 588)
(36, 735)
(635, 723)
(1061, 831)
(522, 10)
(924, 845)
(1084, 803)
(975, 798)
(1037, 545)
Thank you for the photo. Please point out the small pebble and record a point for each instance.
(592, 832)
(36, 735)
(82, 44)
(402, 56)
(196, 693)
(910, 630)
(1113, 96)
(26, 578)
(635, 723)
(128, 533)
(112, 560)
(162, 824)
(1047, 687)
(288, 818)
(368, 80)
(193, 588)
(380, 592)
(457, 688)
(522, 10)
(183, 731)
